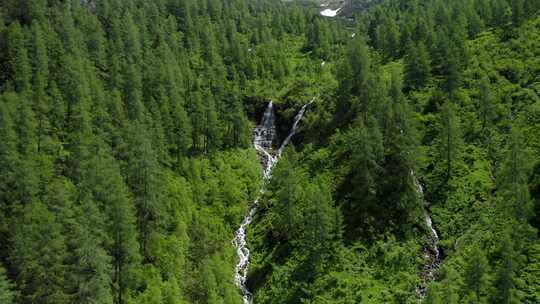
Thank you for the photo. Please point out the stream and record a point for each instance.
(432, 251)
(264, 136)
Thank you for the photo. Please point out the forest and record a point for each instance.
(130, 153)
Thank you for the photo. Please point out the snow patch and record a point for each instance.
(330, 12)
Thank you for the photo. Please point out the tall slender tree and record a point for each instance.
(513, 178)
(476, 273)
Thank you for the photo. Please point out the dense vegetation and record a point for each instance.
(124, 168)
(126, 164)
(443, 91)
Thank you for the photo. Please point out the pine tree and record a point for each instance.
(400, 153)
(475, 272)
(196, 113)
(289, 194)
(451, 72)
(181, 132)
(354, 86)
(320, 233)
(111, 194)
(39, 253)
(21, 72)
(486, 106)
(449, 289)
(417, 66)
(361, 148)
(504, 288)
(8, 165)
(389, 35)
(26, 177)
(143, 175)
(318, 39)
(450, 140)
(212, 133)
(132, 92)
(92, 271)
(39, 85)
(209, 285)
(513, 178)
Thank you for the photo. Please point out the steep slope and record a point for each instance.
(341, 221)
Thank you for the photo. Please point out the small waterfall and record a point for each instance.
(297, 120)
(432, 252)
(264, 136)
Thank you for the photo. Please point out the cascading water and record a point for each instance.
(263, 138)
(432, 252)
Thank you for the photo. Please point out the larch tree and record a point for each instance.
(486, 102)
(39, 251)
(476, 272)
(504, 289)
(514, 176)
(449, 141)
(417, 66)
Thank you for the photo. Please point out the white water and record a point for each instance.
(263, 138)
(433, 253)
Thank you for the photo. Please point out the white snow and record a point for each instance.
(330, 12)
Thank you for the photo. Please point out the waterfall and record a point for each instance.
(264, 136)
(432, 252)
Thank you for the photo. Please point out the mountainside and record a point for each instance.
(240, 151)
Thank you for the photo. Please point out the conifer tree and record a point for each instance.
(449, 293)
(197, 115)
(389, 35)
(417, 66)
(289, 195)
(181, 132)
(320, 233)
(26, 186)
(362, 148)
(39, 251)
(449, 140)
(39, 87)
(92, 271)
(400, 151)
(504, 289)
(212, 133)
(475, 272)
(143, 175)
(18, 60)
(354, 76)
(8, 163)
(513, 178)
(486, 103)
(111, 194)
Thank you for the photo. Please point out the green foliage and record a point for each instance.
(417, 66)
(475, 273)
(6, 289)
(124, 169)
